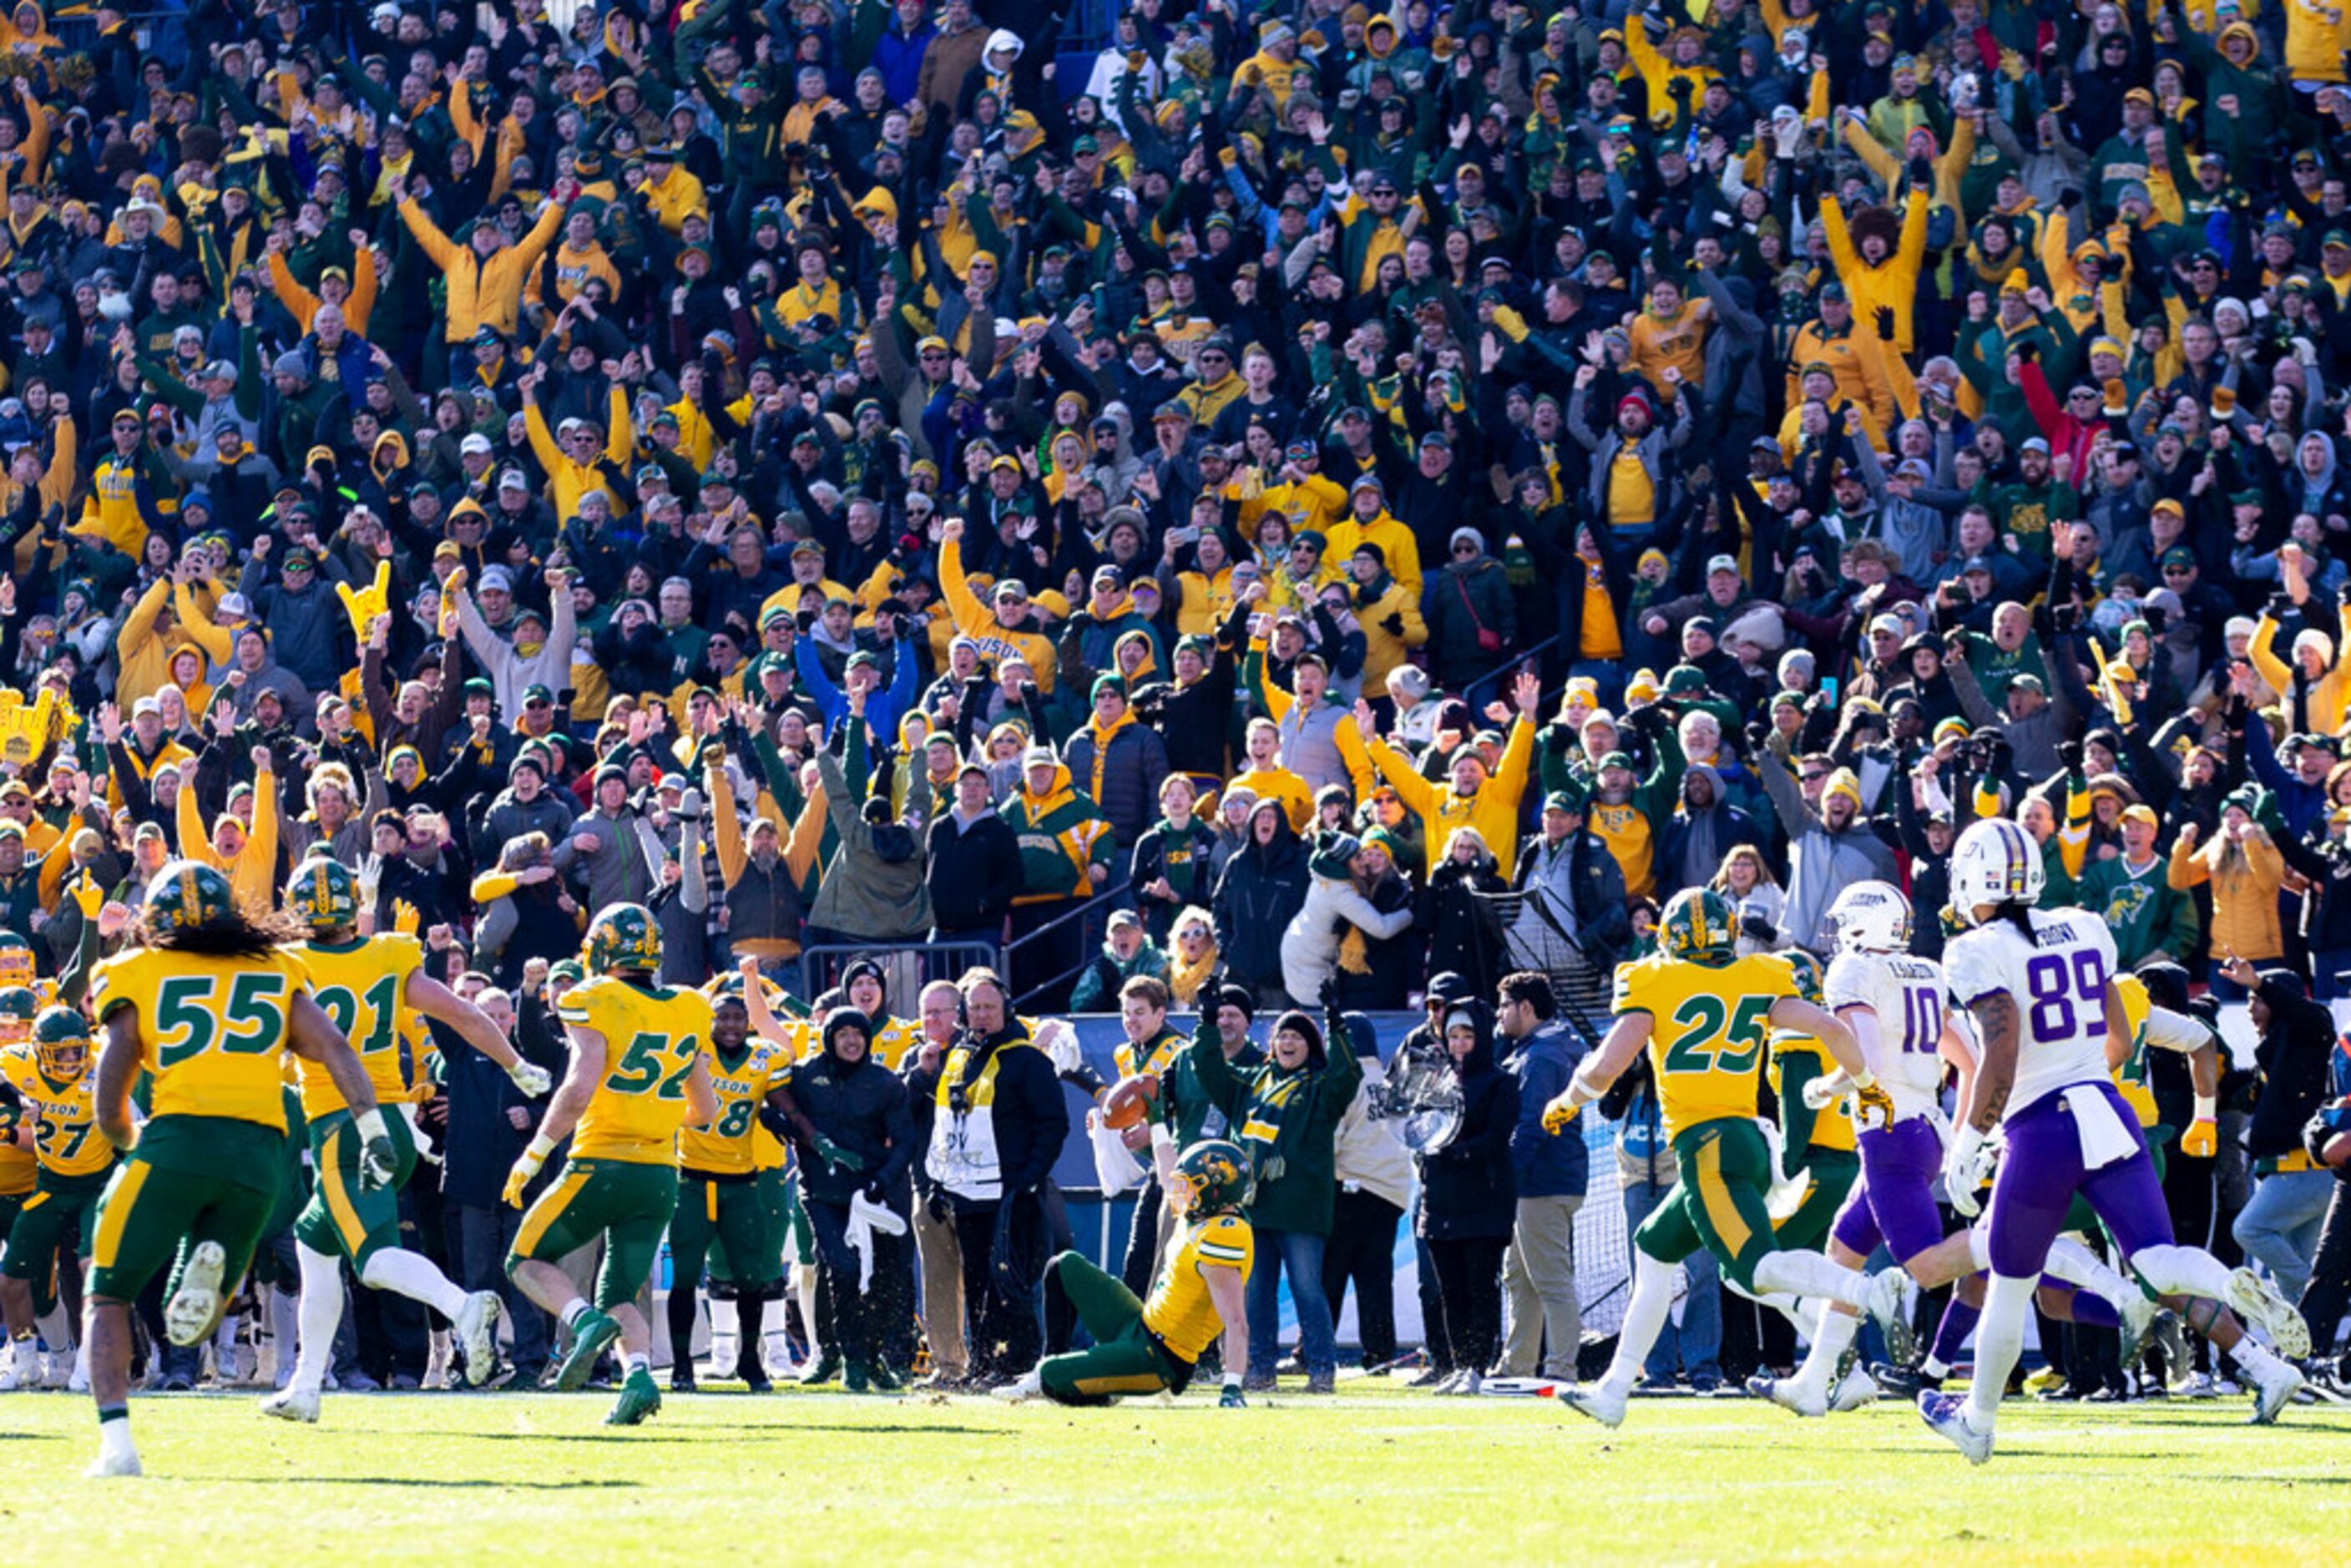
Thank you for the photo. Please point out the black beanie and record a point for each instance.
(1306, 1027)
(1239, 997)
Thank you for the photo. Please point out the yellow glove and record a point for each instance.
(404, 918)
(1559, 1115)
(364, 604)
(2202, 1139)
(1513, 325)
(87, 894)
(1875, 1105)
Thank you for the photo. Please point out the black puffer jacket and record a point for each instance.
(859, 1105)
(1467, 1189)
(1263, 887)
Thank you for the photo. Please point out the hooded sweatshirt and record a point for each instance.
(1061, 834)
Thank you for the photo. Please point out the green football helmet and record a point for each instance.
(18, 1004)
(1697, 927)
(1807, 970)
(1211, 1178)
(186, 894)
(323, 894)
(61, 1043)
(625, 936)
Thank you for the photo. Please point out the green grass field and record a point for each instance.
(1375, 1477)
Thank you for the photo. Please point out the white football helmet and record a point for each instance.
(1871, 918)
(1995, 861)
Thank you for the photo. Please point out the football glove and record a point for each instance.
(1230, 1399)
(2202, 1139)
(1965, 1164)
(1559, 1115)
(833, 1154)
(526, 1166)
(1875, 1106)
(1820, 1094)
(531, 1078)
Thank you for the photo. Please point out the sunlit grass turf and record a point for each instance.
(1374, 1475)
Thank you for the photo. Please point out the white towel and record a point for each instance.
(2104, 1138)
(1114, 1167)
(865, 1217)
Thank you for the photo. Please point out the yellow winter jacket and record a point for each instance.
(482, 293)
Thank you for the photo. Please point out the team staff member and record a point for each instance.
(639, 1071)
(207, 1003)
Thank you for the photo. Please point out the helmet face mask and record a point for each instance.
(17, 966)
(1871, 918)
(18, 1004)
(1697, 928)
(1211, 1178)
(61, 1044)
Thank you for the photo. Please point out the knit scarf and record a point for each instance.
(1184, 978)
(1102, 738)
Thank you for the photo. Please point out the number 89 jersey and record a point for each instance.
(1707, 1029)
(2057, 978)
(652, 1037)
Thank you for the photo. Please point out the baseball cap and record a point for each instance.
(1722, 563)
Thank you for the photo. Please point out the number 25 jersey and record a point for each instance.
(2057, 978)
(653, 1036)
(1707, 1025)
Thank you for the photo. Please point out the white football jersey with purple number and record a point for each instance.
(1907, 995)
(2057, 978)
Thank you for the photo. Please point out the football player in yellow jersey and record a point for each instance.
(718, 1196)
(207, 1005)
(372, 989)
(1816, 1145)
(19, 1166)
(1146, 1346)
(639, 1071)
(48, 1084)
(1701, 1011)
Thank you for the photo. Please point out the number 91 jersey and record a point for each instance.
(2057, 978)
(1706, 1028)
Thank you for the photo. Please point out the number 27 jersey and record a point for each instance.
(2057, 978)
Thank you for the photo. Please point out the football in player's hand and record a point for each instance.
(1129, 1101)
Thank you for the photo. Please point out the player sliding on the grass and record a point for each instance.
(639, 1071)
(1145, 1347)
(373, 988)
(1700, 1012)
(2041, 987)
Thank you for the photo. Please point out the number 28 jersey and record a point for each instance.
(1707, 1029)
(652, 1037)
(2057, 978)
(1906, 994)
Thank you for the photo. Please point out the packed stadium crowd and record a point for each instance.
(895, 525)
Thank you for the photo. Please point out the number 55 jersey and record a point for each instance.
(2057, 978)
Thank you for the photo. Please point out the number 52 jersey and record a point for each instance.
(2057, 978)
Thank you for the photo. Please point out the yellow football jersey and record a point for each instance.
(1832, 1128)
(895, 1040)
(652, 1037)
(1707, 1029)
(727, 1145)
(1180, 1311)
(65, 1119)
(2130, 1077)
(363, 987)
(19, 1168)
(212, 1030)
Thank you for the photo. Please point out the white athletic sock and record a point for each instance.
(1999, 1340)
(2077, 1265)
(321, 1314)
(1645, 1311)
(2176, 1270)
(285, 1307)
(573, 1311)
(636, 1362)
(415, 1276)
(1831, 1335)
(1979, 1247)
(2254, 1356)
(1812, 1274)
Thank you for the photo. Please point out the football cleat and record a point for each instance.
(1857, 1390)
(589, 1335)
(1594, 1400)
(292, 1403)
(2257, 1301)
(193, 1308)
(114, 1460)
(1903, 1381)
(1789, 1394)
(1029, 1384)
(2140, 1317)
(2274, 1387)
(640, 1399)
(1889, 1309)
(477, 1329)
(1946, 1413)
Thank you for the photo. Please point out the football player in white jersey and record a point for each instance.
(2039, 986)
(1894, 1004)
